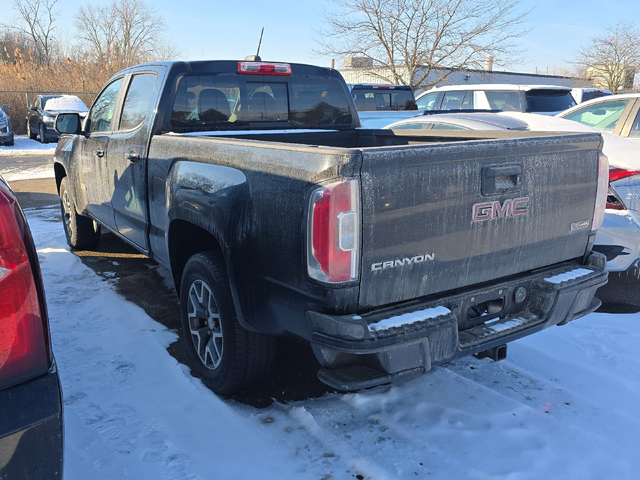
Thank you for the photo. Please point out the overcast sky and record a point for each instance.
(216, 29)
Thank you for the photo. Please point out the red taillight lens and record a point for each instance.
(261, 68)
(23, 349)
(334, 232)
(616, 173)
(601, 192)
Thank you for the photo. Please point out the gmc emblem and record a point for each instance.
(510, 208)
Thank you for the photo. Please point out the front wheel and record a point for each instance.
(81, 232)
(225, 356)
(43, 137)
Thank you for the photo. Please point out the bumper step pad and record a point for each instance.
(497, 329)
(356, 377)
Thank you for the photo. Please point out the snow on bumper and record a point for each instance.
(415, 337)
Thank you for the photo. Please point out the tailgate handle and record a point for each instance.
(501, 179)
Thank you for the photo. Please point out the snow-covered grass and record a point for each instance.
(24, 146)
(563, 406)
(42, 171)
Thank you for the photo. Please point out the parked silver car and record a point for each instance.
(619, 237)
(6, 132)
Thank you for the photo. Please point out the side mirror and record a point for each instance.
(33, 109)
(6, 107)
(68, 123)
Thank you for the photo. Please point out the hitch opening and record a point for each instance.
(496, 353)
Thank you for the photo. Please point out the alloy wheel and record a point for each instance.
(205, 324)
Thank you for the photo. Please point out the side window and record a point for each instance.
(452, 100)
(635, 128)
(102, 110)
(467, 103)
(427, 102)
(603, 116)
(137, 101)
(505, 101)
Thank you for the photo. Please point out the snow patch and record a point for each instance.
(507, 325)
(45, 171)
(24, 146)
(66, 103)
(570, 275)
(409, 318)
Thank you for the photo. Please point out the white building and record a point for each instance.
(465, 77)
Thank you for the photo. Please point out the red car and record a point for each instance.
(30, 395)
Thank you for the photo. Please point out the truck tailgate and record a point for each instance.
(440, 217)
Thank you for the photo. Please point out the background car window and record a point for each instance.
(505, 101)
(541, 100)
(137, 101)
(412, 126)
(426, 102)
(447, 126)
(102, 110)
(635, 128)
(603, 116)
(452, 100)
(467, 103)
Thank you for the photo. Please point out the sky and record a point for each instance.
(222, 29)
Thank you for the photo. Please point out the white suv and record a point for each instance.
(543, 99)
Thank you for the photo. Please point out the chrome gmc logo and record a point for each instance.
(509, 208)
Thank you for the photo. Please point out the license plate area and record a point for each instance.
(487, 306)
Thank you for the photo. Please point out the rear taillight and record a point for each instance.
(334, 232)
(23, 345)
(616, 173)
(261, 68)
(601, 192)
(614, 202)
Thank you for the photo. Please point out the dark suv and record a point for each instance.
(30, 394)
(42, 115)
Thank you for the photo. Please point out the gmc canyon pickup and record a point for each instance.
(390, 252)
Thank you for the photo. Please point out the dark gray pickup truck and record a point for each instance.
(389, 251)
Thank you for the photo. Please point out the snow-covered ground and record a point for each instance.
(562, 406)
(24, 146)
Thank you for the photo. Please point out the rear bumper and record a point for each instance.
(31, 429)
(437, 336)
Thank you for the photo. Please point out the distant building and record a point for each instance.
(599, 75)
(461, 77)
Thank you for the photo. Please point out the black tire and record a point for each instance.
(81, 232)
(245, 356)
(41, 134)
(32, 135)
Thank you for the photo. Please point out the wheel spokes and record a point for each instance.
(205, 324)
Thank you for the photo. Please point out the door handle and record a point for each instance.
(133, 156)
(99, 153)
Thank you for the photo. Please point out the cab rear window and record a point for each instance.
(234, 102)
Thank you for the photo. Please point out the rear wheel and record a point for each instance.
(32, 135)
(223, 354)
(81, 232)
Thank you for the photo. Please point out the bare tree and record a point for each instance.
(409, 39)
(611, 60)
(36, 20)
(122, 33)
